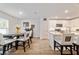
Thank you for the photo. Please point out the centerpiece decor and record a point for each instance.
(17, 29)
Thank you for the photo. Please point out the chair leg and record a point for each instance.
(10, 45)
(77, 50)
(28, 43)
(31, 39)
(66, 47)
(24, 46)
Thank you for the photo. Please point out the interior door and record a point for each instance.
(43, 29)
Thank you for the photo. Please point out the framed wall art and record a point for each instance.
(59, 25)
(25, 24)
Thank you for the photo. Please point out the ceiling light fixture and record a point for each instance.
(20, 13)
(66, 11)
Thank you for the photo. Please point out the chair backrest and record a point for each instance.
(15, 38)
(1, 38)
(68, 37)
(30, 33)
(26, 34)
(76, 38)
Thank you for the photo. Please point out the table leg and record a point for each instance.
(16, 45)
(66, 47)
(28, 43)
(54, 45)
(10, 45)
(77, 50)
(4, 49)
(61, 50)
(24, 46)
(71, 50)
(74, 47)
(31, 39)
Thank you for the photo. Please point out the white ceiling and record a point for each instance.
(38, 10)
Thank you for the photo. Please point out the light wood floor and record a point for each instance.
(38, 47)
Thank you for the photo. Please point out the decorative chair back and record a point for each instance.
(15, 38)
(26, 34)
(1, 38)
(30, 33)
(68, 38)
(76, 39)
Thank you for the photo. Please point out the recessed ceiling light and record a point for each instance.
(20, 13)
(66, 11)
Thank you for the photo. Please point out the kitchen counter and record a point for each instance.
(58, 35)
(51, 36)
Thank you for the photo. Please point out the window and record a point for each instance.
(3, 26)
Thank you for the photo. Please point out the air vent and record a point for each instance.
(45, 19)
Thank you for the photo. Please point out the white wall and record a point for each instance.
(52, 24)
(74, 24)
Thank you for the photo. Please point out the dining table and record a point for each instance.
(12, 35)
(6, 45)
(8, 40)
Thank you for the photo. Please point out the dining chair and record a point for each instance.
(68, 39)
(1, 41)
(64, 38)
(76, 40)
(63, 42)
(23, 41)
(1, 38)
